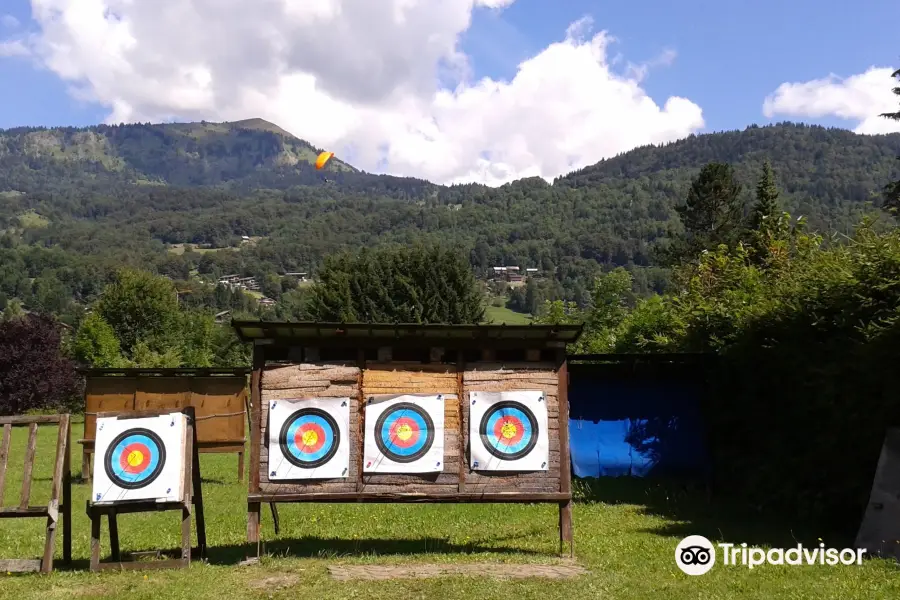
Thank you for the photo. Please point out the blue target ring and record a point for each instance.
(309, 438)
(135, 458)
(404, 433)
(509, 430)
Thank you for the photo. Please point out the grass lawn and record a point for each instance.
(501, 314)
(625, 535)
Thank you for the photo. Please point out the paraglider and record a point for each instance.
(323, 158)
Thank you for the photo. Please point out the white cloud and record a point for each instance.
(860, 98)
(361, 78)
(12, 48)
(9, 21)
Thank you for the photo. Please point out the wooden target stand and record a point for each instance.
(54, 510)
(191, 502)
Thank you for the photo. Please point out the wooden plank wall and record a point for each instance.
(487, 377)
(209, 396)
(387, 379)
(345, 379)
(319, 380)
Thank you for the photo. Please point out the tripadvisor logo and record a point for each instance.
(696, 555)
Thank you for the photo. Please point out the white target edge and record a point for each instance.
(279, 468)
(168, 486)
(480, 459)
(374, 461)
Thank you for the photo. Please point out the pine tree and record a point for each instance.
(766, 207)
(711, 215)
(892, 190)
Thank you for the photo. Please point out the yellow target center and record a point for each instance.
(508, 430)
(310, 437)
(404, 432)
(135, 457)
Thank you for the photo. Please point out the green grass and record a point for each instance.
(625, 534)
(501, 314)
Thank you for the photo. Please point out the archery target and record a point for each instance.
(508, 431)
(139, 459)
(404, 434)
(309, 439)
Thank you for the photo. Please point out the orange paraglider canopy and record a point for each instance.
(323, 158)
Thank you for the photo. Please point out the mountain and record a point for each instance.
(78, 203)
(183, 154)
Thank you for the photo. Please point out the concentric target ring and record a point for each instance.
(404, 432)
(135, 458)
(509, 430)
(309, 438)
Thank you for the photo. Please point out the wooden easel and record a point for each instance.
(192, 498)
(61, 483)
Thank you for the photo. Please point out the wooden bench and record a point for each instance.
(55, 510)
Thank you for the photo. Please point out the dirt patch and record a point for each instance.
(274, 582)
(492, 570)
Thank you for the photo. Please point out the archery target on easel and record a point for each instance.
(139, 459)
(404, 434)
(309, 439)
(508, 431)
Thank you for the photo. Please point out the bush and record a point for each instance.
(34, 374)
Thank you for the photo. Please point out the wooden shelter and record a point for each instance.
(362, 362)
(219, 398)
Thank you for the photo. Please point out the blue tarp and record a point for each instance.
(634, 427)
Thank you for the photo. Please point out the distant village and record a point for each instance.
(236, 282)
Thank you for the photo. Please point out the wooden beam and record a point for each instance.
(28, 420)
(473, 498)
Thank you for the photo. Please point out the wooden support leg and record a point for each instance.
(85, 466)
(565, 529)
(49, 545)
(65, 512)
(275, 520)
(186, 536)
(114, 536)
(95, 542)
(198, 506)
(240, 466)
(253, 513)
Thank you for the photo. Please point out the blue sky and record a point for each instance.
(730, 53)
(730, 56)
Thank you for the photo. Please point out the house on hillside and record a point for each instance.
(266, 302)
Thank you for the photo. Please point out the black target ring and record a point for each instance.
(418, 419)
(310, 417)
(518, 411)
(113, 460)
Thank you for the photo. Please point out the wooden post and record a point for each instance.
(67, 495)
(253, 508)
(565, 464)
(463, 433)
(194, 485)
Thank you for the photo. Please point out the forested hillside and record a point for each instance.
(77, 204)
